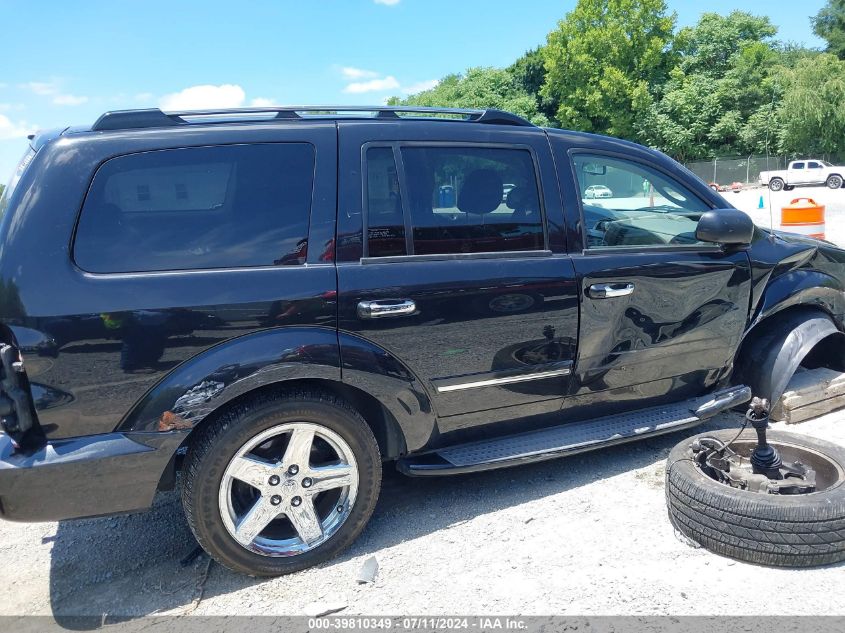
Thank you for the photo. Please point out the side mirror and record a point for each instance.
(725, 226)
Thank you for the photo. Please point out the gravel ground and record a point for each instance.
(588, 535)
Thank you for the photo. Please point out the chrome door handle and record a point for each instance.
(386, 308)
(609, 291)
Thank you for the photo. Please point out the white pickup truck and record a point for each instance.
(804, 172)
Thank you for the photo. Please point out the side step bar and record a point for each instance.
(575, 437)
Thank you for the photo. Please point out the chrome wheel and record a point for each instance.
(776, 184)
(834, 182)
(289, 489)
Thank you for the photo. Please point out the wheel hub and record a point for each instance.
(288, 489)
(764, 471)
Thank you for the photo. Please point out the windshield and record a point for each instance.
(13, 181)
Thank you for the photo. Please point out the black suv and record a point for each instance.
(277, 301)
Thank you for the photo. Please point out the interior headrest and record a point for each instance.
(481, 192)
(520, 198)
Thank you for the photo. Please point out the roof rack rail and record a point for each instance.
(153, 117)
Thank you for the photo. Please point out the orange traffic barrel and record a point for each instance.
(803, 216)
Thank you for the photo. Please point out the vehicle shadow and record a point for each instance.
(114, 568)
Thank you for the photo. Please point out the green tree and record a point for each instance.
(479, 88)
(719, 93)
(601, 61)
(529, 73)
(810, 116)
(829, 24)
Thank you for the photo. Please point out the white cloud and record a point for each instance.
(204, 96)
(10, 129)
(53, 89)
(42, 88)
(69, 100)
(262, 102)
(420, 86)
(389, 3)
(350, 72)
(373, 85)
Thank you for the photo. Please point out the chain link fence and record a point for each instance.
(744, 169)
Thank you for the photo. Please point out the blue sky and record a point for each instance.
(66, 62)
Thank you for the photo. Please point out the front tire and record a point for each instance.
(281, 482)
(834, 181)
(799, 530)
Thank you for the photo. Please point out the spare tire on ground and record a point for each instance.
(784, 530)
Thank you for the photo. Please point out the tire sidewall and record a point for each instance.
(233, 434)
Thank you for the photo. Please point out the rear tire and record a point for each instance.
(802, 530)
(776, 184)
(216, 489)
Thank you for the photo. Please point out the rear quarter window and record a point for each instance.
(198, 208)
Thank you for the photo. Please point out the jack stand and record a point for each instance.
(765, 460)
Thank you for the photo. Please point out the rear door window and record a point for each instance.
(385, 218)
(454, 200)
(198, 208)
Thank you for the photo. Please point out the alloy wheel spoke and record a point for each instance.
(305, 521)
(254, 521)
(298, 451)
(329, 477)
(254, 472)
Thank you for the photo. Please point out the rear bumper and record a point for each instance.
(84, 477)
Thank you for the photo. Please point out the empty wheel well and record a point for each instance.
(388, 434)
(776, 347)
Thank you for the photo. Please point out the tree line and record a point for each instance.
(725, 86)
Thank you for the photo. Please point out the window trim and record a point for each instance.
(406, 208)
(181, 271)
(599, 250)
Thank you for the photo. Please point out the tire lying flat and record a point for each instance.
(805, 530)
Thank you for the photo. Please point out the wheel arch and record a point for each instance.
(284, 358)
(778, 344)
(386, 429)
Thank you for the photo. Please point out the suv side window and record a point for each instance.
(626, 203)
(385, 219)
(457, 200)
(224, 206)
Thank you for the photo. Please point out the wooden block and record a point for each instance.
(811, 393)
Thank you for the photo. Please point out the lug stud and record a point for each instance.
(306, 483)
(295, 501)
(274, 480)
(340, 508)
(275, 500)
(293, 469)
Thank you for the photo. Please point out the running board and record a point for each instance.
(575, 437)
